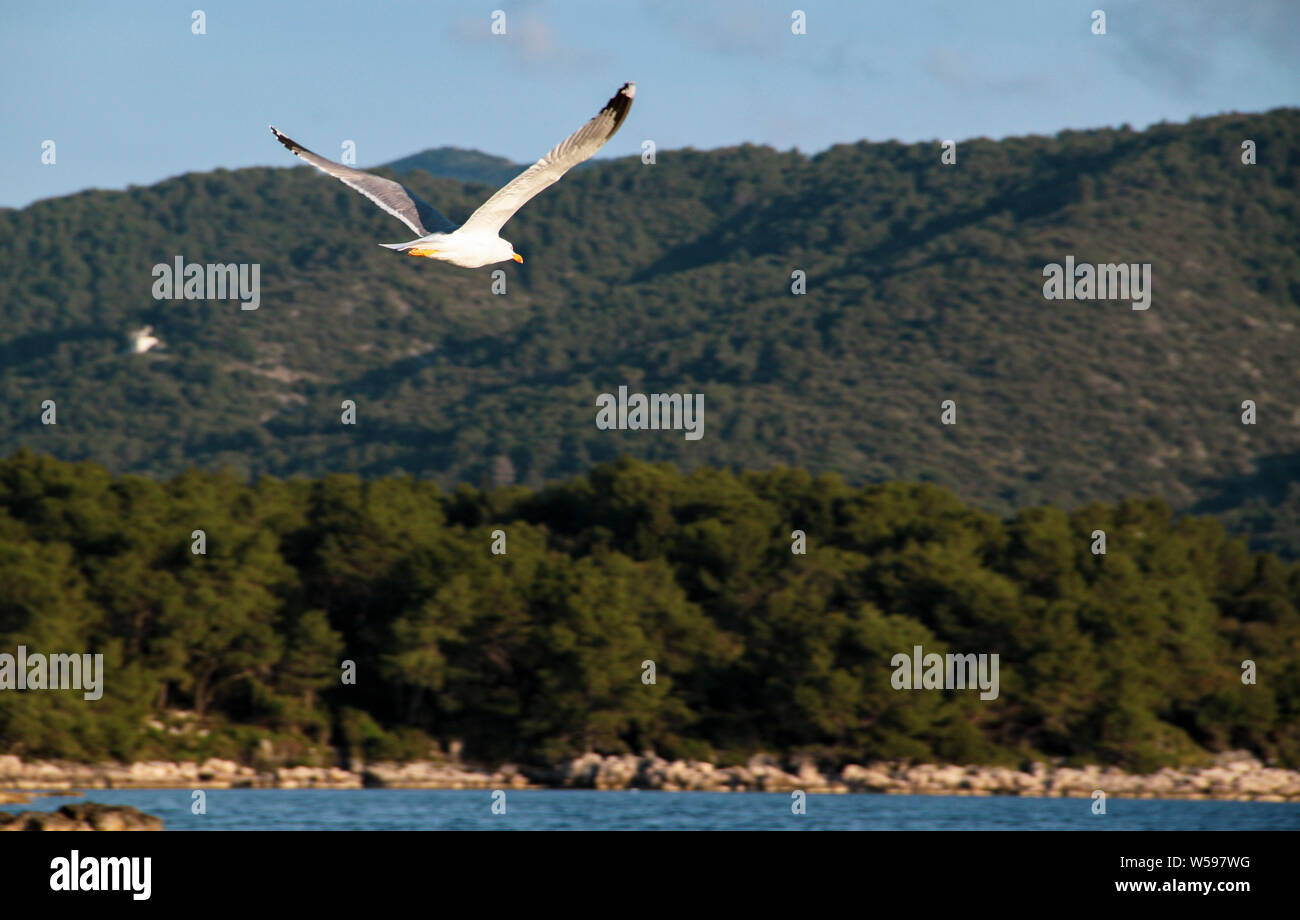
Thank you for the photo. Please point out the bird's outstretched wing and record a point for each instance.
(393, 197)
(568, 153)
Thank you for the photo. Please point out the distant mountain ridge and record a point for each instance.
(459, 164)
(924, 283)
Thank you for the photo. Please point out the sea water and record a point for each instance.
(554, 809)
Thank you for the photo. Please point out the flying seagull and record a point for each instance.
(477, 242)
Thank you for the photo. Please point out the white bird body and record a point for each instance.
(477, 242)
(464, 248)
(142, 340)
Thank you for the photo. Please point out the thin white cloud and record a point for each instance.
(534, 44)
(740, 30)
(1181, 46)
(956, 69)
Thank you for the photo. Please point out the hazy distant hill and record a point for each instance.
(924, 284)
(463, 165)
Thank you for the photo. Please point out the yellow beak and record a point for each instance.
(518, 258)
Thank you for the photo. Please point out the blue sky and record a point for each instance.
(130, 95)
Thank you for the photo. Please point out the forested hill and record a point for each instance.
(924, 283)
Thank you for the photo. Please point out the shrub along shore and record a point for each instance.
(1234, 776)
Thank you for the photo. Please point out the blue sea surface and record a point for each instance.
(554, 809)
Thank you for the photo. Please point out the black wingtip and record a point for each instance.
(292, 145)
(619, 104)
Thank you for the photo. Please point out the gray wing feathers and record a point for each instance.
(578, 146)
(393, 197)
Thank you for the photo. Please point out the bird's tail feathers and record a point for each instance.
(431, 240)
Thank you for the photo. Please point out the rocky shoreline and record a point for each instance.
(84, 816)
(1234, 777)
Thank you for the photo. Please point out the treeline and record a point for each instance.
(1134, 657)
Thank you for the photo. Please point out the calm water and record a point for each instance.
(417, 809)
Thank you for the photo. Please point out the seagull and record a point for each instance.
(477, 242)
(141, 340)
